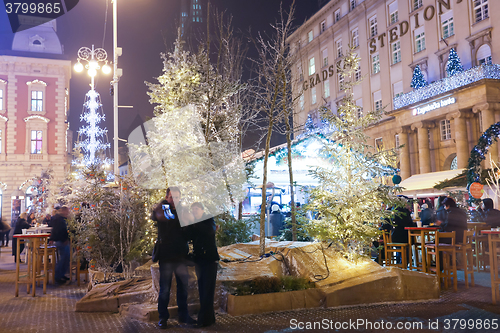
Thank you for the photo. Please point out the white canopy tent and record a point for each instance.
(422, 185)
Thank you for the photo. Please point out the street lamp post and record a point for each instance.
(117, 73)
(93, 59)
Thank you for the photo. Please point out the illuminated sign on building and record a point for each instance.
(434, 106)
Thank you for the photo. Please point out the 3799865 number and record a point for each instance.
(471, 324)
(32, 8)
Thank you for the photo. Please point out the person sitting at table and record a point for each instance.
(426, 215)
(402, 219)
(21, 224)
(456, 220)
(491, 215)
(31, 219)
(441, 211)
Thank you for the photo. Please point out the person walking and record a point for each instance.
(4, 233)
(172, 257)
(60, 236)
(18, 229)
(206, 259)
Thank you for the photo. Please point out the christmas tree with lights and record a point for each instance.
(418, 79)
(350, 193)
(454, 65)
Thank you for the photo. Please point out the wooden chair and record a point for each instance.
(392, 248)
(75, 263)
(467, 259)
(440, 248)
(480, 247)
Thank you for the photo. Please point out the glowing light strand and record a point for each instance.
(447, 84)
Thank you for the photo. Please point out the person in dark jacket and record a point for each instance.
(441, 212)
(206, 258)
(172, 256)
(426, 215)
(491, 215)
(18, 229)
(60, 236)
(456, 220)
(4, 233)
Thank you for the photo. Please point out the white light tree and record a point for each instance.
(350, 199)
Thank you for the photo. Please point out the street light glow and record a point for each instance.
(78, 67)
(92, 72)
(106, 69)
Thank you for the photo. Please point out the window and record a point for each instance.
(322, 26)
(339, 48)
(326, 88)
(373, 27)
(310, 36)
(377, 100)
(1, 99)
(312, 68)
(396, 52)
(357, 74)
(417, 4)
(393, 13)
(341, 81)
(36, 95)
(419, 40)
(3, 85)
(36, 100)
(375, 63)
(484, 55)
(379, 145)
(359, 110)
(36, 142)
(447, 24)
(355, 38)
(301, 102)
(301, 74)
(337, 15)
(325, 57)
(354, 3)
(313, 95)
(445, 130)
(480, 10)
(397, 89)
(396, 141)
(454, 164)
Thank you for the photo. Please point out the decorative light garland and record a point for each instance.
(444, 85)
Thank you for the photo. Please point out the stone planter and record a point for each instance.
(282, 301)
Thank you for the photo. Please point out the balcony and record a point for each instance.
(448, 84)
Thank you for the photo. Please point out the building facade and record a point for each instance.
(34, 104)
(437, 125)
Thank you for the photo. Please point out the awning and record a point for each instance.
(422, 185)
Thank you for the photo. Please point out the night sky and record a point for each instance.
(145, 29)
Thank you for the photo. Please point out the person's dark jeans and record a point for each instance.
(181, 277)
(206, 272)
(62, 266)
(4, 237)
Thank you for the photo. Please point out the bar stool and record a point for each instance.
(467, 258)
(447, 250)
(51, 261)
(392, 248)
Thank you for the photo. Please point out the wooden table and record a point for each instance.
(493, 241)
(473, 225)
(422, 232)
(33, 241)
(39, 230)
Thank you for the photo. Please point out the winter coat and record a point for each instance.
(402, 219)
(426, 216)
(172, 238)
(203, 236)
(441, 214)
(456, 220)
(59, 229)
(492, 217)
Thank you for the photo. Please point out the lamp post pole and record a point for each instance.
(116, 76)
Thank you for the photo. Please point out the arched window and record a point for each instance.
(454, 165)
(483, 55)
(31, 193)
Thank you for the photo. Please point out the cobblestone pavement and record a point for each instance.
(54, 312)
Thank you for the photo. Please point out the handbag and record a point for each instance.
(155, 256)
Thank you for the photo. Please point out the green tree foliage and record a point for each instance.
(348, 203)
(231, 230)
(418, 79)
